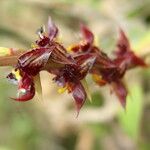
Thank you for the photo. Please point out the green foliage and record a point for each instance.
(131, 117)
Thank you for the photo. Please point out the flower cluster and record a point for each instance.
(71, 65)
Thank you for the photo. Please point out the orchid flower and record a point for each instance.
(106, 70)
(51, 56)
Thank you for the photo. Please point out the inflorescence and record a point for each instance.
(71, 65)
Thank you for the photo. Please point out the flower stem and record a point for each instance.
(11, 60)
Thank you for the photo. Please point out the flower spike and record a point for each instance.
(71, 68)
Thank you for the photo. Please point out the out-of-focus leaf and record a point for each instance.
(97, 100)
(139, 10)
(130, 118)
(4, 148)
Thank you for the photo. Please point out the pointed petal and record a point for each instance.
(123, 44)
(124, 54)
(79, 96)
(120, 91)
(137, 61)
(33, 61)
(87, 34)
(52, 29)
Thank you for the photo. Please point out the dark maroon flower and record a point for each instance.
(124, 54)
(70, 77)
(114, 70)
(106, 70)
(51, 56)
(48, 55)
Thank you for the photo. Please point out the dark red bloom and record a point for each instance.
(115, 69)
(106, 70)
(66, 80)
(71, 68)
(47, 55)
(70, 77)
(124, 54)
(51, 56)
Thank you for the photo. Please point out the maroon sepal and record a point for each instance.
(125, 55)
(52, 29)
(33, 61)
(46, 40)
(120, 91)
(87, 34)
(87, 41)
(79, 95)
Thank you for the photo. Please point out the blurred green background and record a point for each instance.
(50, 124)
